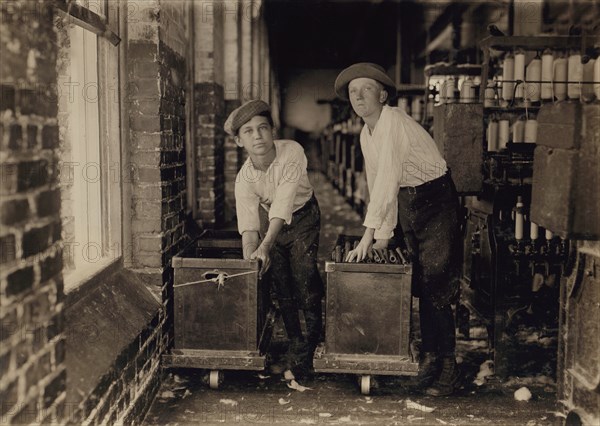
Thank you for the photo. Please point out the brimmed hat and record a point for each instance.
(242, 114)
(364, 70)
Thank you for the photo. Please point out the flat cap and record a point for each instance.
(363, 70)
(244, 113)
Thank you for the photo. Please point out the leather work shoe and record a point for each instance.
(449, 379)
(428, 370)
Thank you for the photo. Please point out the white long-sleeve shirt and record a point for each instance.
(398, 153)
(281, 190)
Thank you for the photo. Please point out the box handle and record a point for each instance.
(215, 276)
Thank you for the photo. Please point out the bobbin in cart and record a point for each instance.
(368, 316)
(223, 317)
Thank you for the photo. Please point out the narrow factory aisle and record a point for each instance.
(251, 398)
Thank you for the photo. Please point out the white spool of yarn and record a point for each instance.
(508, 71)
(492, 136)
(547, 75)
(587, 88)
(560, 78)
(574, 76)
(519, 74)
(518, 131)
(530, 134)
(533, 75)
(503, 133)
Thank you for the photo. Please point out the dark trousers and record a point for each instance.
(296, 279)
(428, 215)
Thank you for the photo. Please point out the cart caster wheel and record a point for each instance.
(215, 379)
(365, 385)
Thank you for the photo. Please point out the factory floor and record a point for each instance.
(252, 398)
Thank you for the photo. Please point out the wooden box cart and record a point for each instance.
(222, 311)
(367, 322)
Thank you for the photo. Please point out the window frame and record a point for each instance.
(106, 156)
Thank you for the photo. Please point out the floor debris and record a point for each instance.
(486, 369)
(167, 394)
(522, 394)
(411, 405)
(411, 418)
(297, 386)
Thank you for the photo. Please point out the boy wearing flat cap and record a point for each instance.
(273, 186)
(408, 179)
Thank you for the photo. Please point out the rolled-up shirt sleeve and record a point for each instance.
(293, 169)
(247, 205)
(382, 213)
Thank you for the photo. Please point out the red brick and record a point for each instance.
(150, 106)
(8, 178)
(56, 326)
(37, 310)
(38, 371)
(142, 52)
(146, 69)
(149, 261)
(152, 243)
(55, 388)
(146, 141)
(144, 88)
(51, 266)
(50, 138)
(5, 363)
(37, 239)
(22, 349)
(32, 174)
(7, 97)
(144, 123)
(150, 225)
(8, 249)
(150, 175)
(48, 203)
(29, 413)
(14, 211)
(15, 137)
(59, 352)
(146, 209)
(20, 281)
(32, 135)
(9, 398)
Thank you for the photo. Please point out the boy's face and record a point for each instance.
(256, 136)
(366, 96)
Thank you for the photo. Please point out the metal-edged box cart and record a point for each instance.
(367, 317)
(223, 316)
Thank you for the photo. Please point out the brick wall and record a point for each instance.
(209, 104)
(157, 129)
(120, 384)
(32, 371)
(209, 112)
(232, 163)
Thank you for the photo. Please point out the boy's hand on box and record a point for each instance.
(262, 254)
(360, 252)
(381, 244)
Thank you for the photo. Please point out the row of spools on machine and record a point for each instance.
(551, 76)
(519, 218)
(500, 131)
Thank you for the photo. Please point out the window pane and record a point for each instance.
(84, 161)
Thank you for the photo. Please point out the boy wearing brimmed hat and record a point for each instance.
(272, 186)
(408, 179)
